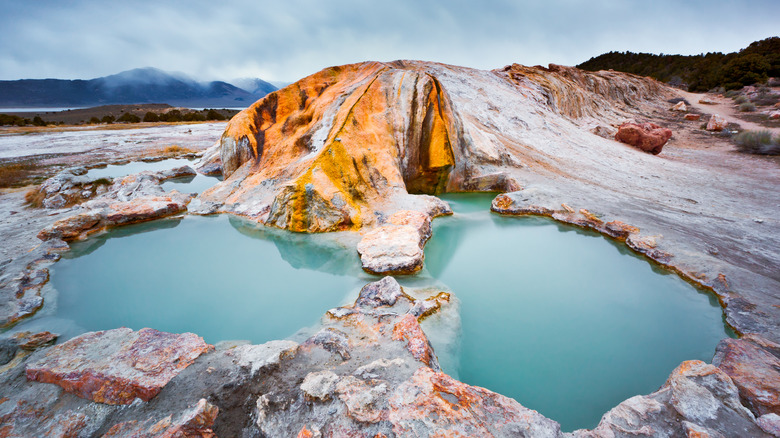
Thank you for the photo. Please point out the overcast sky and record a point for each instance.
(287, 40)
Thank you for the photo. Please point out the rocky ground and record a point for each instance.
(363, 147)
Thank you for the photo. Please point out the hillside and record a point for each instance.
(145, 85)
(755, 63)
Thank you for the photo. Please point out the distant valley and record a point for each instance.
(138, 86)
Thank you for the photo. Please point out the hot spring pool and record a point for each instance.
(565, 321)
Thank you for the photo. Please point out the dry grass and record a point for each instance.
(34, 197)
(177, 150)
(17, 174)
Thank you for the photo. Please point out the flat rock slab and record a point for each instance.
(117, 366)
(396, 248)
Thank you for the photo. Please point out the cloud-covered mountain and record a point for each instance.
(142, 85)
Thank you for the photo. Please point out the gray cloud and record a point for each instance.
(275, 41)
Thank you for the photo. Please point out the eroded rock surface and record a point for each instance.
(131, 199)
(698, 399)
(754, 364)
(345, 147)
(117, 366)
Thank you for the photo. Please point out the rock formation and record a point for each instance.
(351, 145)
(716, 123)
(648, 137)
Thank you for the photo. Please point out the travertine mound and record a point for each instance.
(345, 148)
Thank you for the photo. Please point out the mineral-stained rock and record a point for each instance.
(774, 115)
(408, 329)
(319, 385)
(680, 106)
(117, 366)
(32, 341)
(716, 123)
(648, 136)
(345, 148)
(211, 161)
(114, 214)
(619, 230)
(431, 401)
(697, 398)
(396, 248)
(194, 422)
(754, 365)
(692, 117)
(384, 292)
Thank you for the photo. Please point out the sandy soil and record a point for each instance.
(725, 107)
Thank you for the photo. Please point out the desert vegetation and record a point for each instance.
(757, 142)
(754, 64)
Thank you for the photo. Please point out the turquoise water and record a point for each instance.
(201, 275)
(565, 321)
(193, 184)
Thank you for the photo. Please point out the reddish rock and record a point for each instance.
(143, 209)
(433, 401)
(774, 115)
(29, 341)
(619, 230)
(417, 343)
(693, 117)
(194, 422)
(752, 362)
(118, 213)
(648, 136)
(117, 366)
(716, 123)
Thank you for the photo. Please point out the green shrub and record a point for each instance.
(151, 117)
(214, 115)
(757, 142)
(108, 119)
(747, 107)
(129, 118)
(740, 99)
(94, 120)
(731, 94)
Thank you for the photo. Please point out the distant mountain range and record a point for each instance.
(142, 85)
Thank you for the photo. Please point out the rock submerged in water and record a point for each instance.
(648, 137)
(117, 366)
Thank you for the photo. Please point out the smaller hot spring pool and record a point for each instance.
(220, 277)
(192, 184)
(565, 321)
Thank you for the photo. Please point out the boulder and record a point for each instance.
(679, 106)
(396, 248)
(754, 365)
(706, 100)
(692, 117)
(648, 137)
(698, 399)
(717, 123)
(117, 366)
(774, 115)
